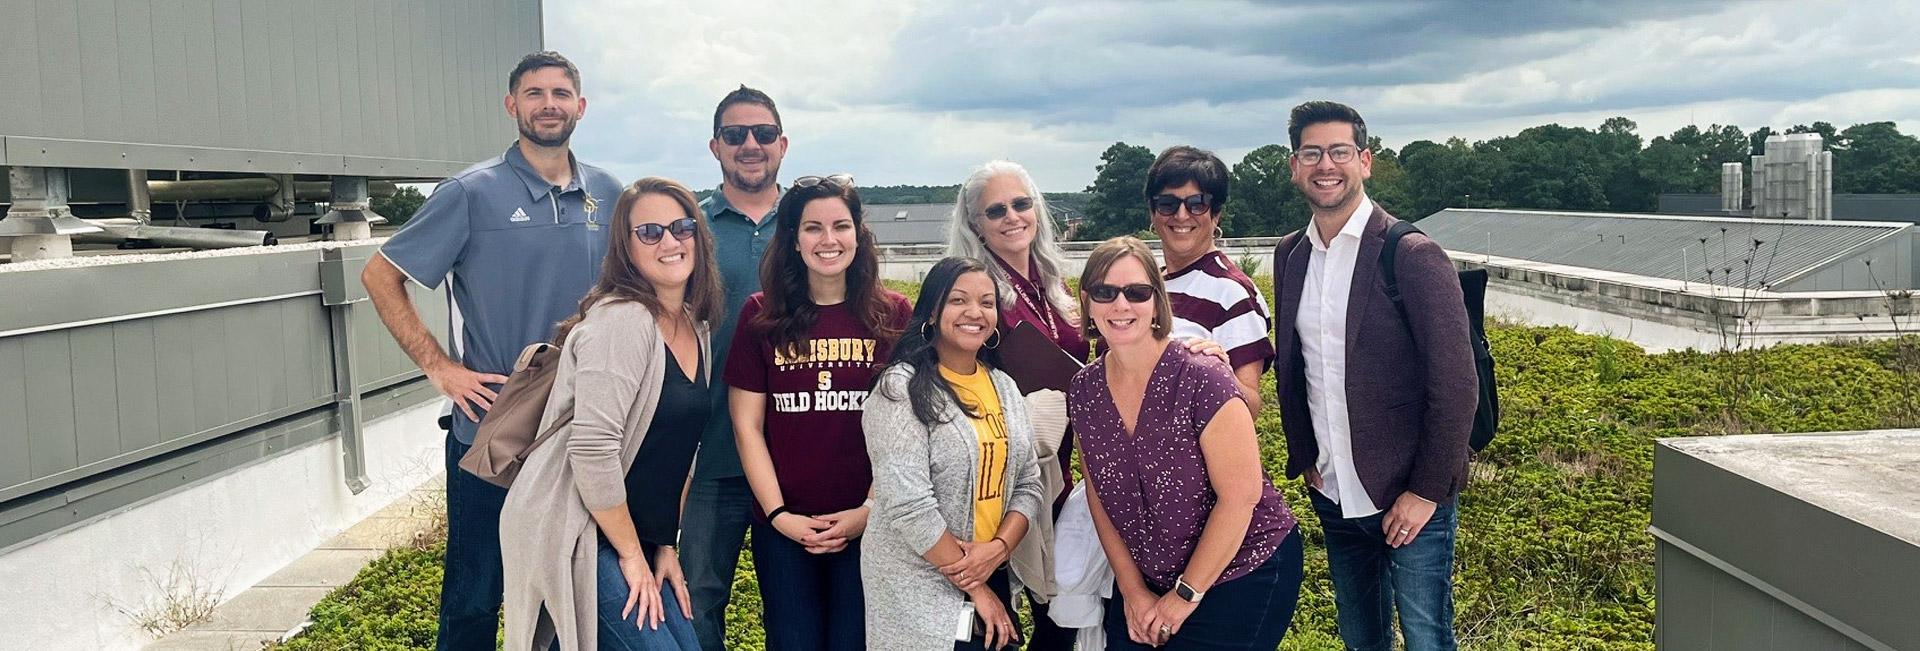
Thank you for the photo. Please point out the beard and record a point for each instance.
(532, 135)
(1353, 190)
(740, 181)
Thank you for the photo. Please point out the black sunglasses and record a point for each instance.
(1135, 293)
(1166, 204)
(832, 181)
(736, 135)
(1018, 204)
(681, 228)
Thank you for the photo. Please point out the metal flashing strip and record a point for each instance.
(1767, 588)
(185, 309)
(69, 152)
(26, 521)
(125, 458)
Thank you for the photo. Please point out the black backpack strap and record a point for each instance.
(1389, 251)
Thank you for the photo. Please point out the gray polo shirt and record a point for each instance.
(518, 252)
(738, 245)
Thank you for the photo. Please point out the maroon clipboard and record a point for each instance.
(1034, 361)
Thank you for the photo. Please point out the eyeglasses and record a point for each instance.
(1135, 293)
(1340, 154)
(999, 210)
(681, 228)
(736, 135)
(1166, 205)
(832, 181)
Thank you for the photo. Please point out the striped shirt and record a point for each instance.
(1213, 299)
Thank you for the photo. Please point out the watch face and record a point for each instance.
(1184, 591)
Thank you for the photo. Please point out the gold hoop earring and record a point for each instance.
(993, 340)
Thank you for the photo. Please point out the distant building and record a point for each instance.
(1792, 180)
(1670, 282)
(1793, 255)
(909, 223)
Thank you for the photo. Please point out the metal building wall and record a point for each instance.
(121, 379)
(1790, 542)
(357, 87)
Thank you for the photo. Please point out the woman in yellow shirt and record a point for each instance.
(954, 477)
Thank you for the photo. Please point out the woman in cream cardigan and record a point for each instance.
(955, 480)
(587, 532)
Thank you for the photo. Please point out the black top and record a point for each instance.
(660, 468)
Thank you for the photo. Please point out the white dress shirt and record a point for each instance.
(1322, 326)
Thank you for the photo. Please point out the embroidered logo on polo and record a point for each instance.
(519, 215)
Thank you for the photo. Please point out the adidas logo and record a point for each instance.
(519, 215)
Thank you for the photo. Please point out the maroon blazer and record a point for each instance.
(1411, 384)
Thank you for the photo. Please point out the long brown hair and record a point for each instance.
(621, 280)
(790, 311)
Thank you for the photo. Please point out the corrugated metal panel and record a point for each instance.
(1661, 246)
(164, 81)
(89, 387)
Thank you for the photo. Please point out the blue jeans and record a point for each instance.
(623, 633)
(812, 601)
(1249, 612)
(1370, 579)
(712, 529)
(471, 591)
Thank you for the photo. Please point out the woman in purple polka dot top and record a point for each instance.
(1203, 548)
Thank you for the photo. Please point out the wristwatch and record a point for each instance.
(1185, 591)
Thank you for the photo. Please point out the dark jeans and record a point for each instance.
(623, 633)
(471, 590)
(1002, 585)
(1047, 636)
(812, 601)
(1250, 612)
(711, 532)
(1370, 579)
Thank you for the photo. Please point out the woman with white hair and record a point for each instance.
(1001, 220)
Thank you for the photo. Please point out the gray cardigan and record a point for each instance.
(923, 486)
(609, 380)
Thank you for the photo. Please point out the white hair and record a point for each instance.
(964, 238)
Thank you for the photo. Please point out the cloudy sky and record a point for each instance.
(916, 92)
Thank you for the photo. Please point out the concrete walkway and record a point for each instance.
(276, 608)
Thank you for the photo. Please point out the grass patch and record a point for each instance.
(1553, 548)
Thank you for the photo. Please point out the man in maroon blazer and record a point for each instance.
(1376, 406)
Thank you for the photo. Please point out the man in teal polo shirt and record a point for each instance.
(519, 240)
(749, 143)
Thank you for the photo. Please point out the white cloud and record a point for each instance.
(917, 92)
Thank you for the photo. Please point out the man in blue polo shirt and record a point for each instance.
(518, 239)
(749, 143)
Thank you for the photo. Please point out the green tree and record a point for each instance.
(1876, 158)
(1117, 206)
(400, 207)
(1388, 187)
(1264, 201)
(1441, 176)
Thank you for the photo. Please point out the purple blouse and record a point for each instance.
(1154, 485)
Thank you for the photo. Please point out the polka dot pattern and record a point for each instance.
(1154, 483)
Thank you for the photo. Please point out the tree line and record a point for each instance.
(1548, 167)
